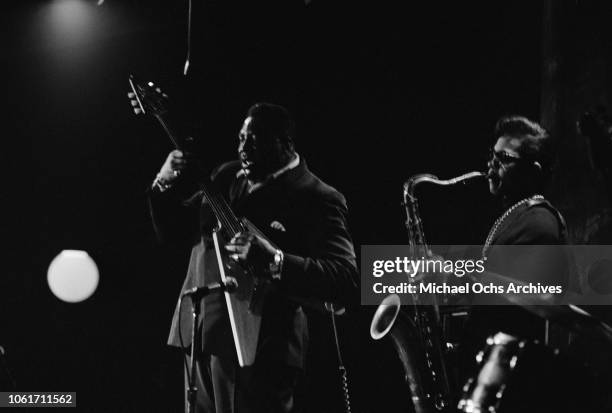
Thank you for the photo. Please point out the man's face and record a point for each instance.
(505, 173)
(259, 154)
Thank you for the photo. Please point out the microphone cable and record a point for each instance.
(341, 367)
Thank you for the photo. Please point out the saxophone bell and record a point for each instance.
(385, 316)
(417, 336)
(389, 321)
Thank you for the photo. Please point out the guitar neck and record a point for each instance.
(217, 202)
(171, 131)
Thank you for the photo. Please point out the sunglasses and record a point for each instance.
(503, 157)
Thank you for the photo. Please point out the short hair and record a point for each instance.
(274, 121)
(537, 143)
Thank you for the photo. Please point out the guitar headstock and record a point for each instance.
(147, 98)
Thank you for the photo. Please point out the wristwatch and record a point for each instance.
(276, 266)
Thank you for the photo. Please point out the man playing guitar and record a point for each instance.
(306, 255)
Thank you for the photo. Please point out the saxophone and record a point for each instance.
(416, 336)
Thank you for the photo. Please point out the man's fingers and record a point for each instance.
(237, 256)
(178, 163)
(240, 242)
(242, 238)
(237, 248)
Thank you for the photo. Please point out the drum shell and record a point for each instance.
(515, 375)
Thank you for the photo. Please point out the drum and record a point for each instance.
(515, 375)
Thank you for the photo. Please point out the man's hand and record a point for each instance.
(247, 248)
(175, 163)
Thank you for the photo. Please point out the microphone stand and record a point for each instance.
(196, 295)
(192, 391)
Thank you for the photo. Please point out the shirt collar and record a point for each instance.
(292, 164)
(274, 175)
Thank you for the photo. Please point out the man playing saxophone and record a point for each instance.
(519, 169)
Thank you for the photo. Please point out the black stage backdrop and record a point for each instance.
(379, 93)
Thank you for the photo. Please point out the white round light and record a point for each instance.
(73, 276)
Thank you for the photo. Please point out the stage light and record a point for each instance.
(73, 276)
(69, 22)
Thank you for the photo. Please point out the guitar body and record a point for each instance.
(245, 303)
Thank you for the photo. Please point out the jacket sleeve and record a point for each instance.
(178, 214)
(329, 271)
(174, 218)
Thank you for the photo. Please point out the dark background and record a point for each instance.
(379, 93)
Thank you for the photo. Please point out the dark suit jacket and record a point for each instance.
(535, 223)
(319, 256)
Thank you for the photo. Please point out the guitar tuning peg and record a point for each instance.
(137, 111)
(131, 95)
(164, 95)
(158, 90)
(150, 84)
(134, 103)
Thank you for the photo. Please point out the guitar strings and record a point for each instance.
(219, 205)
(221, 216)
(223, 212)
